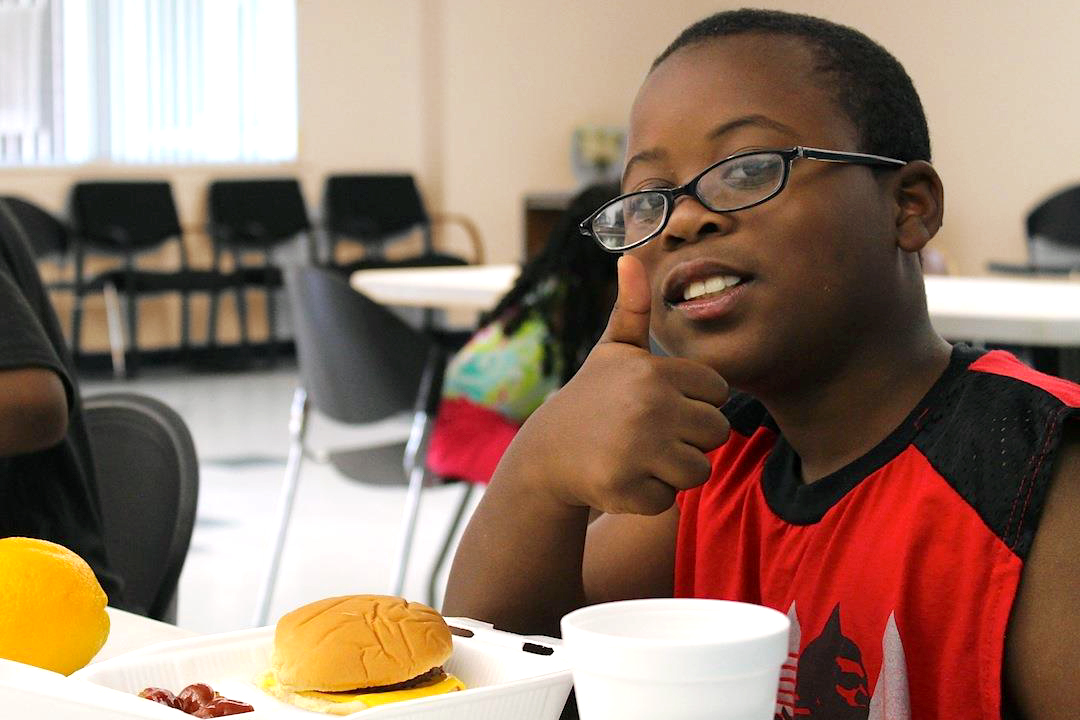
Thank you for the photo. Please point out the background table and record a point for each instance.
(469, 287)
(1022, 311)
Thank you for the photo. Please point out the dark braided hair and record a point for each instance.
(578, 310)
(869, 85)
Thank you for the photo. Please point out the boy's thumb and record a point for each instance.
(629, 321)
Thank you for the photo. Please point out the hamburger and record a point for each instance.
(343, 654)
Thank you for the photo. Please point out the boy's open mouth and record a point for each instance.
(710, 286)
(689, 283)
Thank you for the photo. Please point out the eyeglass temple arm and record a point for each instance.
(847, 157)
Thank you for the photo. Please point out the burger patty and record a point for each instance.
(432, 676)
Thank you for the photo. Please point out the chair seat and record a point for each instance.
(146, 281)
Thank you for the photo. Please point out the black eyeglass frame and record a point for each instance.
(788, 155)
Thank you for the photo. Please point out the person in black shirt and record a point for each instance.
(47, 485)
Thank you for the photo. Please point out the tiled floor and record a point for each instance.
(344, 533)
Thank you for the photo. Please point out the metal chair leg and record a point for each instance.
(444, 551)
(132, 300)
(185, 325)
(298, 417)
(271, 326)
(241, 314)
(115, 325)
(408, 527)
(211, 320)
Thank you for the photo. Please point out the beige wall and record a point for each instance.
(480, 98)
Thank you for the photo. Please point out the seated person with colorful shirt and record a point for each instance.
(527, 347)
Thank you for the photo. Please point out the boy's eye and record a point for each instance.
(751, 171)
(644, 209)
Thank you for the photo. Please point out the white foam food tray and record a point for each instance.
(507, 676)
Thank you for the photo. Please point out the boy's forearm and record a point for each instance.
(519, 562)
(33, 410)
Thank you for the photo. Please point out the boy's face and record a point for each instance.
(818, 262)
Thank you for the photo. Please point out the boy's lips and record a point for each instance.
(712, 306)
(704, 288)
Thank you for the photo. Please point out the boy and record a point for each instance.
(47, 483)
(876, 484)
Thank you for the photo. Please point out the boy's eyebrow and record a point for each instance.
(714, 134)
(643, 156)
(756, 120)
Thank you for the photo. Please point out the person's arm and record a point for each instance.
(33, 410)
(1042, 646)
(622, 437)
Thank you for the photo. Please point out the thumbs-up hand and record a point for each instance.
(630, 429)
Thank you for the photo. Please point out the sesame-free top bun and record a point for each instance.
(358, 641)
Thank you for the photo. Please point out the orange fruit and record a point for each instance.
(52, 609)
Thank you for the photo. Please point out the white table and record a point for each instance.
(1022, 311)
(128, 631)
(466, 287)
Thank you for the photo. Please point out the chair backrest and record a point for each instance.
(48, 236)
(125, 217)
(148, 478)
(257, 213)
(359, 362)
(372, 208)
(1053, 231)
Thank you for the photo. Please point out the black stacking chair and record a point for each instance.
(1053, 237)
(377, 210)
(127, 219)
(256, 216)
(359, 363)
(148, 477)
(50, 240)
(1053, 248)
(49, 237)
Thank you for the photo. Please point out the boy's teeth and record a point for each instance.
(710, 285)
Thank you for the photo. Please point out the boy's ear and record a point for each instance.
(920, 204)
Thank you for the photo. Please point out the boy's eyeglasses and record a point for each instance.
(735, 183)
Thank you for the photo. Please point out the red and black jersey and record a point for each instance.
(898, 571)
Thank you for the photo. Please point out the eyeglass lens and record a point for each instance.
(731, 185)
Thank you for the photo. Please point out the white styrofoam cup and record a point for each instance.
(677, 659)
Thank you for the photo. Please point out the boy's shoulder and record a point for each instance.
(1016, 376)
(992, 392)
(992, 432)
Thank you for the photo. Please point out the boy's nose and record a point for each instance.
(691, 221)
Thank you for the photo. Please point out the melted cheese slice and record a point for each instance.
(268, 682)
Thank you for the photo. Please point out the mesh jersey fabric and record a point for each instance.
(898, 571)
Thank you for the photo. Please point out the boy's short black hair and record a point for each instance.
(870, 86)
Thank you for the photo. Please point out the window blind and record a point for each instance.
(149, 81)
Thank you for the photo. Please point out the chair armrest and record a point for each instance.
(468, 226)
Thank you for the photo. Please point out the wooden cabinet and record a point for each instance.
(542, 211)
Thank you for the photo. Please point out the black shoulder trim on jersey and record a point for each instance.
(746, 414)
(993, 438)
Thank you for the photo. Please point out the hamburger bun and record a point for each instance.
(359, 647)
